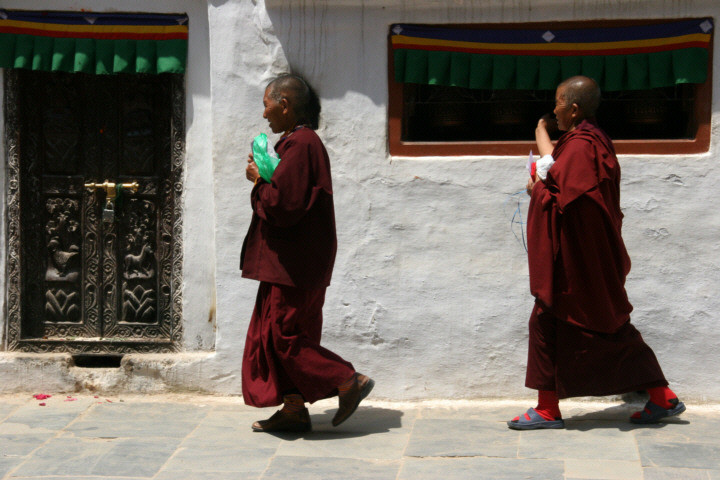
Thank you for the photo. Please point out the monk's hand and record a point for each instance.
(548, 122)
(529, 187)
(251, 171)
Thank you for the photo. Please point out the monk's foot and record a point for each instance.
(532, 420)
(283, 421)
(653, 413)
(350, 398)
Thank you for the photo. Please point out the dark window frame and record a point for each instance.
(396, 92)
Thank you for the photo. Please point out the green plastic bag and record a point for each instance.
(265, 157)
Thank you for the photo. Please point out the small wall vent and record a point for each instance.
(97, 361)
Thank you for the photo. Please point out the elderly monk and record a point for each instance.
(290, 248)
(581, 340)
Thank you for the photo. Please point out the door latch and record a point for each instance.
(112, 190)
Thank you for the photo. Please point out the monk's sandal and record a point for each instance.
(285, 422)
(652, 413)
(531, 420)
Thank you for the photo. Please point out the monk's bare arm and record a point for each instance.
(542, 135)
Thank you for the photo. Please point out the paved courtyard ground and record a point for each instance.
(189, 437)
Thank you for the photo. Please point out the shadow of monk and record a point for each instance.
(616, 417)
(365, 421)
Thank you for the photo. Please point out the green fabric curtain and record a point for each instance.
(95, 43)
(92, 56)
(618, 72)
(636, 56)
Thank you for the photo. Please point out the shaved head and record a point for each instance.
(301, 98)
(582, 91)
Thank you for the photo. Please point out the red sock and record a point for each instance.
(660, 396)
(548, 406)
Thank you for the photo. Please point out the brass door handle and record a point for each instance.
(111, 187)
(111, 190)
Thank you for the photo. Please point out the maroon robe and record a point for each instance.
(290, 247)
(291, 239)
(581, 339)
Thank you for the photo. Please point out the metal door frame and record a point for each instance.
(13, 294)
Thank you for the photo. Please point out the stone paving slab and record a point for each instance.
(459, 437)
(112, 420)
(480, 469)
(76, 477)
(600, 443)
(99, 457)
(7, 408)
(19, 445)
(322, 468)
(31, 417)
(680, 455)
(690, 426)
(603, 469)
(226, 460)
(8, 464)
(190, 475)
(489, 412)
(373, 433)
(176, 437)
(680, 473)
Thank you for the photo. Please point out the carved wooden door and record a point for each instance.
(97, 274)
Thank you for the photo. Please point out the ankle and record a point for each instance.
(548, 405)
(347, 385)
(663, 396)
(293, 403)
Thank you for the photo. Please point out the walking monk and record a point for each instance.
(581, 340)
(290, 248)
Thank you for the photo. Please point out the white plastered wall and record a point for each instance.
(430, 290)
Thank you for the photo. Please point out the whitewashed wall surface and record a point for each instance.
(430, 289)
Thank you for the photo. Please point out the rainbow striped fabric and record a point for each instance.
(89, 42)
(619, 58)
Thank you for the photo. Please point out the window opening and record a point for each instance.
(434, 113)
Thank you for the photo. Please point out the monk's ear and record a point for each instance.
(576, 112)
(284, 104)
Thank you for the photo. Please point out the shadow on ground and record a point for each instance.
(617, 418)
(365, 421)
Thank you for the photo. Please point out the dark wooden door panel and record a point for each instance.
(85, 279)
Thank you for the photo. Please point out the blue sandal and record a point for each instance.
(652, 413)
(532, 420)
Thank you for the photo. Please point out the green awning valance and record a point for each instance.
(634, 57)
(97, 43)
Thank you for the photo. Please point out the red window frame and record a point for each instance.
(398, 147)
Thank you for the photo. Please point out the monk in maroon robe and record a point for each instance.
(290, 248)
(581, 340)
